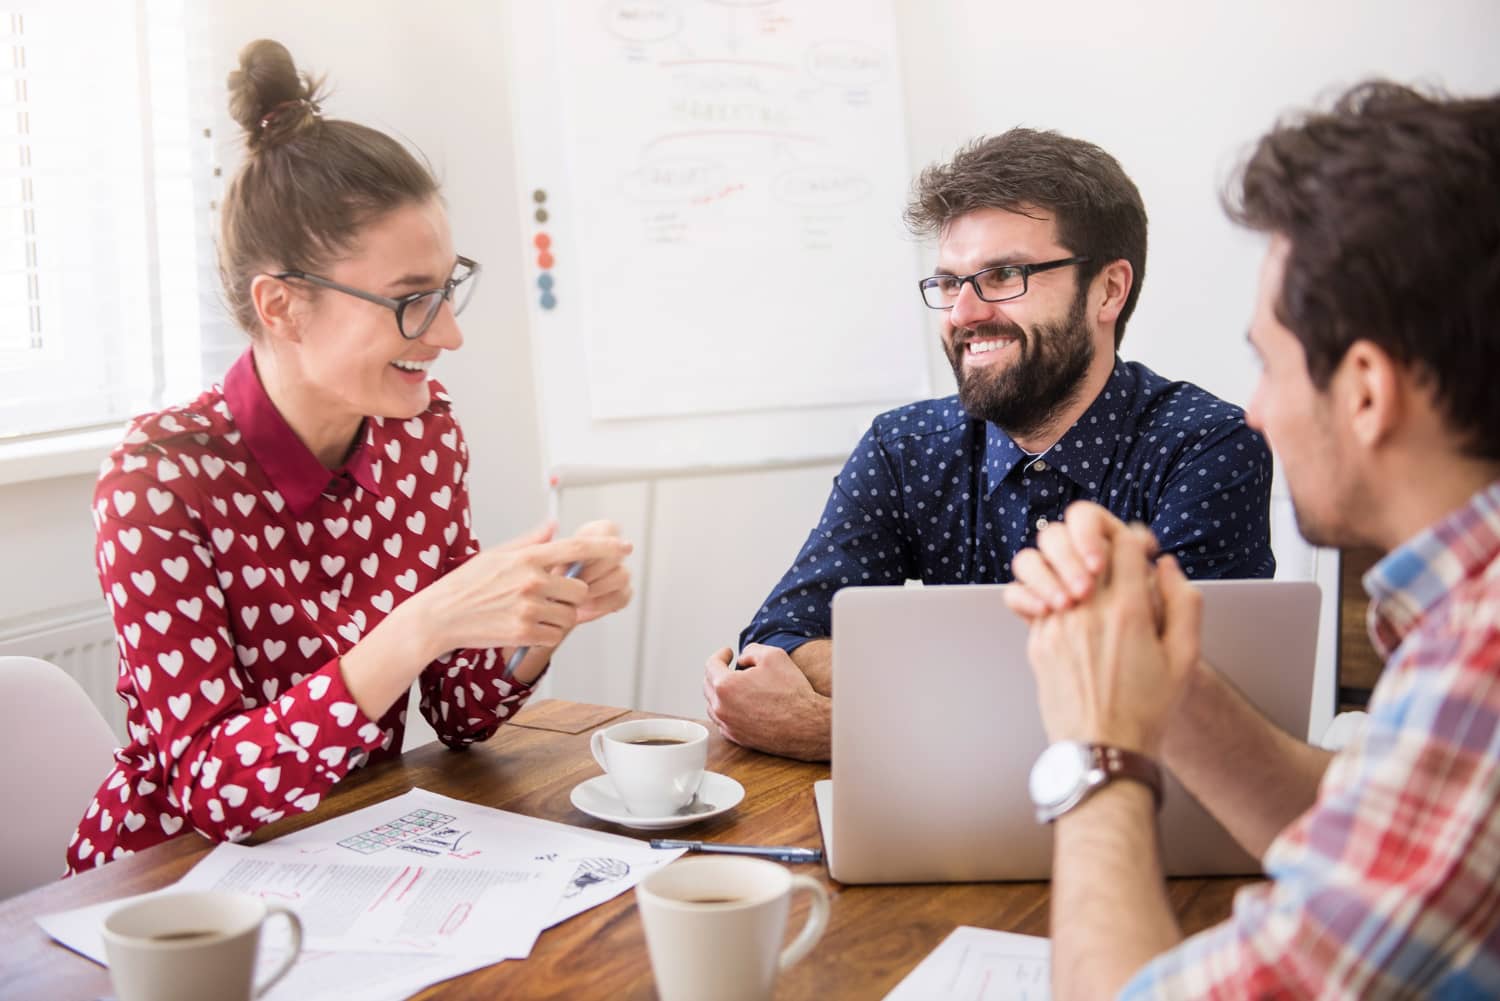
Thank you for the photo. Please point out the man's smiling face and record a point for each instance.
(1020, 362)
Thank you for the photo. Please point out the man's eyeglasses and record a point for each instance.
(415, 311)
(1008, 281)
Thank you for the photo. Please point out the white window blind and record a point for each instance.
(106, 186)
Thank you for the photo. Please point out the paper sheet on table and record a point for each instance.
(433, 907)
(453, 908)
(589, 866)
(422, 824)
(977, 964)
(317, 976)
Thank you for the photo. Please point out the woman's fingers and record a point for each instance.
(534, 537)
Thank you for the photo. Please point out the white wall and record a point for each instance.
(47, 549)
(1174, 89)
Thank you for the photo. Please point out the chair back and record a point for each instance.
(57, 748)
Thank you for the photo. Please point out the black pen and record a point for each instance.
(781, 853)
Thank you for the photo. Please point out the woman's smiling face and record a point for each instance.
(351, 352)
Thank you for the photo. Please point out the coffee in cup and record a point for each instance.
(655, 765)
(714, 926)
(187, 946)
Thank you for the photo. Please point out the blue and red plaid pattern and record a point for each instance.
(1389, 885)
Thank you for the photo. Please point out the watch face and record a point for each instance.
(1058, 772)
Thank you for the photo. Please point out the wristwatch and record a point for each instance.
(1069, 772)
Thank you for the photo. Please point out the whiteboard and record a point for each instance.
(711, 190)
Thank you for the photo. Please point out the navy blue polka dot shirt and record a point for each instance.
(935, 495)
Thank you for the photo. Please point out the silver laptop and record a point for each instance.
(935, 727)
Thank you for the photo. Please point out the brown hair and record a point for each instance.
(308, 184)
(1098, 209)
(1391, 204)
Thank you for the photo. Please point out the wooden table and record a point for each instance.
(876, 934)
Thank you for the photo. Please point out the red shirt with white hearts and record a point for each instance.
(238, 569)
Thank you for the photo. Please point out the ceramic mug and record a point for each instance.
(186, 946)
(714, 926)
(656, 765)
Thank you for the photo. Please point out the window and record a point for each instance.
(106, 184)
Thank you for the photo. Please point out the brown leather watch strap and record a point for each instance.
(1116, 762)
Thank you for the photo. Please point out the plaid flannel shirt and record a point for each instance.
(1389, 885)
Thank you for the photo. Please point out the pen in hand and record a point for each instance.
(781, 853)
(519, 653)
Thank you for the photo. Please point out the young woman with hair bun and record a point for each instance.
(285, 555)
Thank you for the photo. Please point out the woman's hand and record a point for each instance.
(608, 579)
(516, 594)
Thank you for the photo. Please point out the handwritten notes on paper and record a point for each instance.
(741, 168)
(977, 964)
(601, 866)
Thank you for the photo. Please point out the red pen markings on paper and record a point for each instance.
(389, 887)
(410, 883)
(456, 918)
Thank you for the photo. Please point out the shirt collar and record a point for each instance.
(291, 467)
(1082, 449)
(1415, 577)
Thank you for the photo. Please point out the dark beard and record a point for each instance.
(1039, 385)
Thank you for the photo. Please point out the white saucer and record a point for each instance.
(597, 798)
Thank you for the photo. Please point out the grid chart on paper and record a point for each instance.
(397, 832)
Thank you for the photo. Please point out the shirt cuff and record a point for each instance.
(351, 729)
(787, 641)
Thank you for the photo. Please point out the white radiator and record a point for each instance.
(81, 643)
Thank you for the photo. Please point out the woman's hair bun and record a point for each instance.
(268, 97)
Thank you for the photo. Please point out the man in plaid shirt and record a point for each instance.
(1376, 327)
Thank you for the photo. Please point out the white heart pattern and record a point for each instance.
(217, 591)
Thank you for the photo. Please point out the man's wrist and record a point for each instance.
(1116, 801)
(1068, 773)
(817, 744)
(1128, 738)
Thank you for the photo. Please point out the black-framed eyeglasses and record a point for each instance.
(414, 311)
(998, 284)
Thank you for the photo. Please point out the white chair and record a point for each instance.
(56, 749)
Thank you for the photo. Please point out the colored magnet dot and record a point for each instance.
(548, 300)
(542, 241)
(541, 215)
(544, 282)
(539, 196)
(544, 260)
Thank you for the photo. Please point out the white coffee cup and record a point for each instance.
(188, 946)
(656, 765)
(714, 926)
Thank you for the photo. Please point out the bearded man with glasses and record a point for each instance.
(1041, 251)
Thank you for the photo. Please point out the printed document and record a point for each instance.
(977, 964)
(405, 893)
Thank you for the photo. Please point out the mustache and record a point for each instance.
(987, 332)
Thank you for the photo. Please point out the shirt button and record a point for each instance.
(1039, 465)
(1041, 523)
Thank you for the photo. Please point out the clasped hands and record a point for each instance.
(1114, 629)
